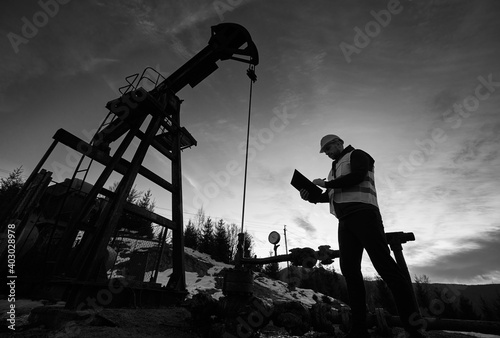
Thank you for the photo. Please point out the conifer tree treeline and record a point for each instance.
(436, 300)
(9, 188)
(218, 239)
(133, 223)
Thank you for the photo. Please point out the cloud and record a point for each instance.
(194, 16)
(96, 62)
(449, 202)
(473, 258)
(77, 40)
(481, 149)
(170, 22)
(305, 224)
(443, 101)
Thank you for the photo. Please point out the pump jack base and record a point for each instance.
(119, 293)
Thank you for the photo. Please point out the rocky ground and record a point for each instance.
(203, 315)
(166, 322)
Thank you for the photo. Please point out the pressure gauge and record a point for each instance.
(274, 237)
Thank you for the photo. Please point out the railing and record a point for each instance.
(133, 83)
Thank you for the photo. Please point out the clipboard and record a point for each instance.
(300, 182)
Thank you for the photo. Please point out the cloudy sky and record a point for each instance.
(414, 83)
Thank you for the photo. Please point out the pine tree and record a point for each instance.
(422, 291)
(248, 247)
(487, 311)
(146, 202)
(466, 309)
(248, 251)
(133, 223)
(10, 187)
(496, 307)
(191, 236)
(450, 310)
(207, 237)
(221, 243)
(272, 269)
(133, 194)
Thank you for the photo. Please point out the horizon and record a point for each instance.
(416, 85)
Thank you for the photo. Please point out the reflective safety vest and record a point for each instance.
(363, 192)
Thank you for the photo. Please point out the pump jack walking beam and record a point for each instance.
(227, 40)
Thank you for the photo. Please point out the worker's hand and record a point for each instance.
(304, 194)
(319, 182)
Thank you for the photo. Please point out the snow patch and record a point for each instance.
(208, 282)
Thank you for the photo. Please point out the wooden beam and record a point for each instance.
(112, 212)
(142, 212)
(150, 216)
(158, 146)
(86, 149)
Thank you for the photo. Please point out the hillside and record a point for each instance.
(324, 281)
(489, 292)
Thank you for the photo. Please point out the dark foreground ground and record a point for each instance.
(167, 322)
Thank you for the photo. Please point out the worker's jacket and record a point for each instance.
(363, 192)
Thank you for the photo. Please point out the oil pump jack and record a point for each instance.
(79, 273)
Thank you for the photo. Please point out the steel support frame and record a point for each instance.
(108, 221)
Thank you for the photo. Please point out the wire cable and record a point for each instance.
(253, 78)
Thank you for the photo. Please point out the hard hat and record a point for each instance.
(327, 139)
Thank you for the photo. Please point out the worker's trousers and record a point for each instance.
(364, 230)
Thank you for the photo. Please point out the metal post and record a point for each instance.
(276, 249)
(161, 246)
(286, 249)
(397, 248)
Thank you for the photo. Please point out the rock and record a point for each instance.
(293, 316)
(202, 307)
(244, 316)
(56, 317)
(323, 317)
(192, 264)
(217, 330)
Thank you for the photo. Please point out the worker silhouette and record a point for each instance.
(350, 190)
